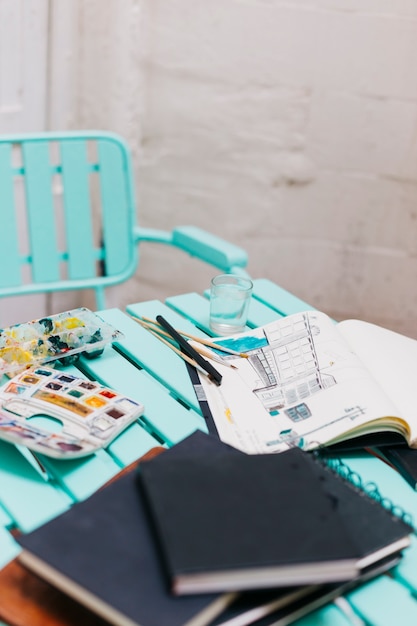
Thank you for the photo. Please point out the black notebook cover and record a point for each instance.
(101, 552)
(236, 521)
(274, 608)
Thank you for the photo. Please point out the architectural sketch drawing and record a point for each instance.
(288, 365)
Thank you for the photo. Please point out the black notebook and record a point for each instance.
(237, 521)
(101, 552)
(272, 608)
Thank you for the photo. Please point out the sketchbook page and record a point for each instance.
(301, 385)
(392, 359)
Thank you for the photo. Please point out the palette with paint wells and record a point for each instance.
(60, 415)
(63, 336)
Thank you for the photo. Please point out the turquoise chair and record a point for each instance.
(68, 213)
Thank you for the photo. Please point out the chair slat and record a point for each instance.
(9, 249)
(40, 211)
(77, 205)
(117, 212)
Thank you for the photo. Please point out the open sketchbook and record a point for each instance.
(308, 381)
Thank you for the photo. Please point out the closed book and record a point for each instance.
(236, 521)
(101, 552)
(274, 608)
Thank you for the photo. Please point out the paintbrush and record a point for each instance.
(205, 342)
(156, 328)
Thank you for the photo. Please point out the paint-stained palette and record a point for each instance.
(63, 336)
(60, 415)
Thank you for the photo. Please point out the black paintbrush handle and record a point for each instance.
(188, 349)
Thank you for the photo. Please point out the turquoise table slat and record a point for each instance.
(389, 482)
(82, 477)
(9, 548)
(167, 418)
(152, 308)
(22, 489)
(397, 491)
(135, 441)
(132, 444)
(5, 519)
(260, 314)
(384, 602)
(406, 571)
(330, 615)
(143, 368)
(158, 359)
(196, 308)
(278, 298)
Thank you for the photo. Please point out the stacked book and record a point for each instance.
(206, 534)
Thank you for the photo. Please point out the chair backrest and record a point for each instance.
(67, 208)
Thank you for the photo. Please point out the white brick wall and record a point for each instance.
(289, 127)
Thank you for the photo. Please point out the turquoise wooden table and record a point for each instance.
(141, 366)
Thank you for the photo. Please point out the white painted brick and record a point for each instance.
(387, 8)
(369, 54)
(287, 126)
(346, 282)
(235, 42)
(357, 133)
(283, 43)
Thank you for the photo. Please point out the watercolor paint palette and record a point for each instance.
(60, 415)
(63, 336)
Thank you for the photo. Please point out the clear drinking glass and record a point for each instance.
(230, 295)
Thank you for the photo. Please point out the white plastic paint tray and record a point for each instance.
(61, 337)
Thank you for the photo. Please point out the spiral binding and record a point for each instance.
(338, 466)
